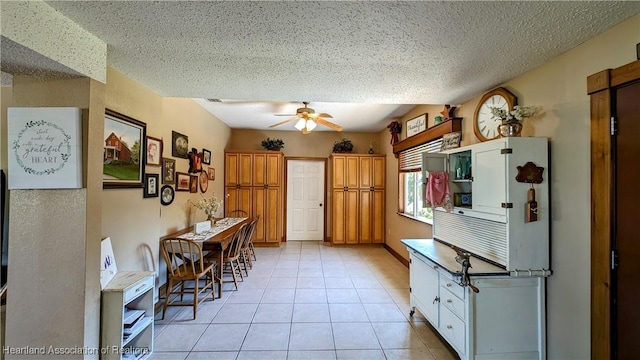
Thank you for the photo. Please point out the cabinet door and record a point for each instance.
(489, 185)
(378, 216)
(372, 172)
(345, 216)
(273, 173)
(259, 169)
(433, 162)
(239, 199)
(344, 171)
(379, 172)
(351, 213)
(366, 216)
(245, 169)
(423, 279)
(238, 169)
(267, 205)
(338, 217)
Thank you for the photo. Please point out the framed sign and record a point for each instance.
(45, 148)
(416, 125)
(124, 156)
(451, 140)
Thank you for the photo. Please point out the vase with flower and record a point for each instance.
(209, 205)
(512, 120)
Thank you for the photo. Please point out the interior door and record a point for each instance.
(305, 199)
(627, 177)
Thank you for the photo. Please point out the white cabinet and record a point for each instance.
(505, 320)
(127, 316)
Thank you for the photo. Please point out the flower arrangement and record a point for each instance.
(209, 205)
(272, 144)
(518, 113)
(343, 146)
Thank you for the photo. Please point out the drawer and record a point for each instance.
(453, 329)
(447, 282)
(138, 289)
(452, 302)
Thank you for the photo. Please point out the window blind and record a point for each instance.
(411, 159)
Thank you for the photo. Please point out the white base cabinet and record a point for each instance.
(505, 320)
(127, 316)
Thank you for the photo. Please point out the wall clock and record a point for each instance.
(485, 126)
(166, 195)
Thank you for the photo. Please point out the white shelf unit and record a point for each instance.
(133, 290)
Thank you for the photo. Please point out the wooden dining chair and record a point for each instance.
(246, 250)
(238, 213)
(232, 255)
(184, 261)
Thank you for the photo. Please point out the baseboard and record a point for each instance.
(404, 261)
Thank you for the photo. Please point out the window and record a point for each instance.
(411, 197)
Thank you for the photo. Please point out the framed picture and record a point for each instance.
(168, 171)
(203, 178)
(212, 173)
(154, 151)
(179, 145)
(150, 185)
(451, 140)
(195, 161)
(193, 183)
(123, 160)
(167, 195)
(416, 125)
(183, 181)
(206, 156)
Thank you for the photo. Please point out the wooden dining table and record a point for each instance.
(216, 239)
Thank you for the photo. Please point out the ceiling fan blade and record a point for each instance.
(329, 124)
(325, 115)
(284, 122)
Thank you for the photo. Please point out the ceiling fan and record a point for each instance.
(308, 119)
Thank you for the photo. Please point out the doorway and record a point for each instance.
(626, 275)
(306, 199)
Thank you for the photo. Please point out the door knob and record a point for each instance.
(320, 205)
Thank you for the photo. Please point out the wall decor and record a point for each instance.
(195, 161)
(416, 125)
(206, 156)
(451, 140)
(167, 195)
(204, 181)
(193, 183)
(123, 160)
(150, 185)
(108, 267)
(212, 173)
(183, 181)
(168, 171)
(45, 148)
(394, 128)
(179, 145)
(154, 151)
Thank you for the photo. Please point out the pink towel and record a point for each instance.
(437, 191)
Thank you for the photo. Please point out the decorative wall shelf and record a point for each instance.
(430, 134)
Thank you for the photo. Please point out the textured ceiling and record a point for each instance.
(334, 52)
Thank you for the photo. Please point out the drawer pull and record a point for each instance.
(141, 287)
(449, 301)
(448, 284)
(435, 267)
(449, 327)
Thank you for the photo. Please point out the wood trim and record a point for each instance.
(598, 82)
(285, 188)
(395, 254)
(430, 134)
(625, 74)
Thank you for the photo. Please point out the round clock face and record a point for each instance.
(485, 125)
(166, 195)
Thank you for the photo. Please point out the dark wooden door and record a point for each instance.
(626, 300)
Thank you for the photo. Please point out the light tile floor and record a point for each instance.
(306, 300)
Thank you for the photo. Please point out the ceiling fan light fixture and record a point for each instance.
(300, 124)
(311, 125)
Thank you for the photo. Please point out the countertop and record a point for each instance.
(445, 257)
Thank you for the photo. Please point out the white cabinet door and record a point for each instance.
(424, 288)
(489, 186)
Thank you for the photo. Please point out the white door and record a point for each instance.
(305, 200)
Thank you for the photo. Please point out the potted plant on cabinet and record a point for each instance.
(343, 146)
(272, 144)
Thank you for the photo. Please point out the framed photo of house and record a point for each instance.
(212, 173)
(416, 125)
(123, 158)
(451, 140)
(183, 181)
(179, 145)
(150, 185)
(154, 151)
(168, 171)
(206, 156)
(193, 183)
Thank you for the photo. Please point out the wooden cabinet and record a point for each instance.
(127, 315)
(253, 181)
(358, 195)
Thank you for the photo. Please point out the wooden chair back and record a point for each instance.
(238, 213)
(183, 257)
(233, 251)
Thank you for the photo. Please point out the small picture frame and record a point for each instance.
(150, 185)
(203, 179)
(451, 140)
(195, 161)
(193, 183)
(416, 125)
(154, 151)
(167, 195)
(206, 157)
(212, 173)
(179, 145)
(168, 171)
(183, 181)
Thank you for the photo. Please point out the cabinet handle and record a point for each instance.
(435, 267)
(141, 287)
(448, 284)
(449, 327)
(437, 299)
(460, 212)
(449, 301)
